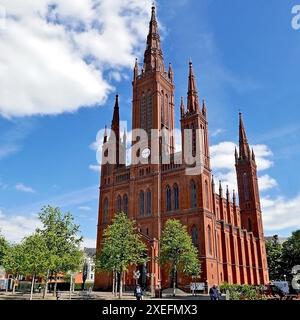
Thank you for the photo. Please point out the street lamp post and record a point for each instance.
(151, 276)
(284, 276)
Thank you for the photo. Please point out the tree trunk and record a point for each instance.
(14, 286)
(55, 287)
(46, 285)
(113, 285)
(71, 285)
(116, 283)
(32, 287)
(121, 285)
(174, 282)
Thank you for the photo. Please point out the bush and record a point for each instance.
(243, 292)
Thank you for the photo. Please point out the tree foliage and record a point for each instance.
(62, 240)
(283, 257)
(274, 257)
(122, 245)
(4, 245)
(177, 249)
(291, 253)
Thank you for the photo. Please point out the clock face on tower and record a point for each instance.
(146, 153)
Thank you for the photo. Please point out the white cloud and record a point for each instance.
(16, 227)
(88, 243)
(266, 182)
(223, 164)
(216, 132)
(55, 53)
(281, 213)
(95, 167)
(85, 208)
(23, 188)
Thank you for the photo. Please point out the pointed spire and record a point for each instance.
(227, 194)
(170, 72)
(182, 108)
(236, 155)
(243, 142)
(220, 189)
(153, 57)
(136, 69)
(213, 184)
(253, 155)
(204, 109)
(115, 124)
(233, 197)
(105, 135)
(115, 127)
(193, 102)
(116, 117)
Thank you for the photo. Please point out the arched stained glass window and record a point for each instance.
(119, 204)
(105, 210)
(125, 203)
(176, 196)
(193, 194)
(195, 236)
(141, 203)
(168, 199)
(148, 202)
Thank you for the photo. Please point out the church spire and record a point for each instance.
(115, 127)
(192, 101)
(243, 142)
(182, 108)
(135, 70)
(153, 57)
(105, 135)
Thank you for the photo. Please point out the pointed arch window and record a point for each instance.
(249, 225)
(141, 203)
(176, 196)
(148, 203)
(105, 210)
(125, 204)
(119, 204)
(206, 195)
(168, 199)
(246, 186)
(162, 107)
(149, 113)
(195, 236)
(167, 109)
(193, 194)
(143, 112)
(209, 239)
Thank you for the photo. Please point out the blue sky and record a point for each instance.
(54, 98)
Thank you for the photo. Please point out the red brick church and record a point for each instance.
(229, 236)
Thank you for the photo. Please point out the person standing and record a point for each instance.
(214, 293)
(138, 292)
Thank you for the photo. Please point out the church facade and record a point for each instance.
(227, 231)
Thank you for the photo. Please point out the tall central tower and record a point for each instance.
(153, 89)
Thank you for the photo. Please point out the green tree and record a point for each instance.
(61, 236)
(13, 262)
(274, 257)
(291, 253)
(35, 258)
(4, 245)
(178, 252)
(122, 246)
